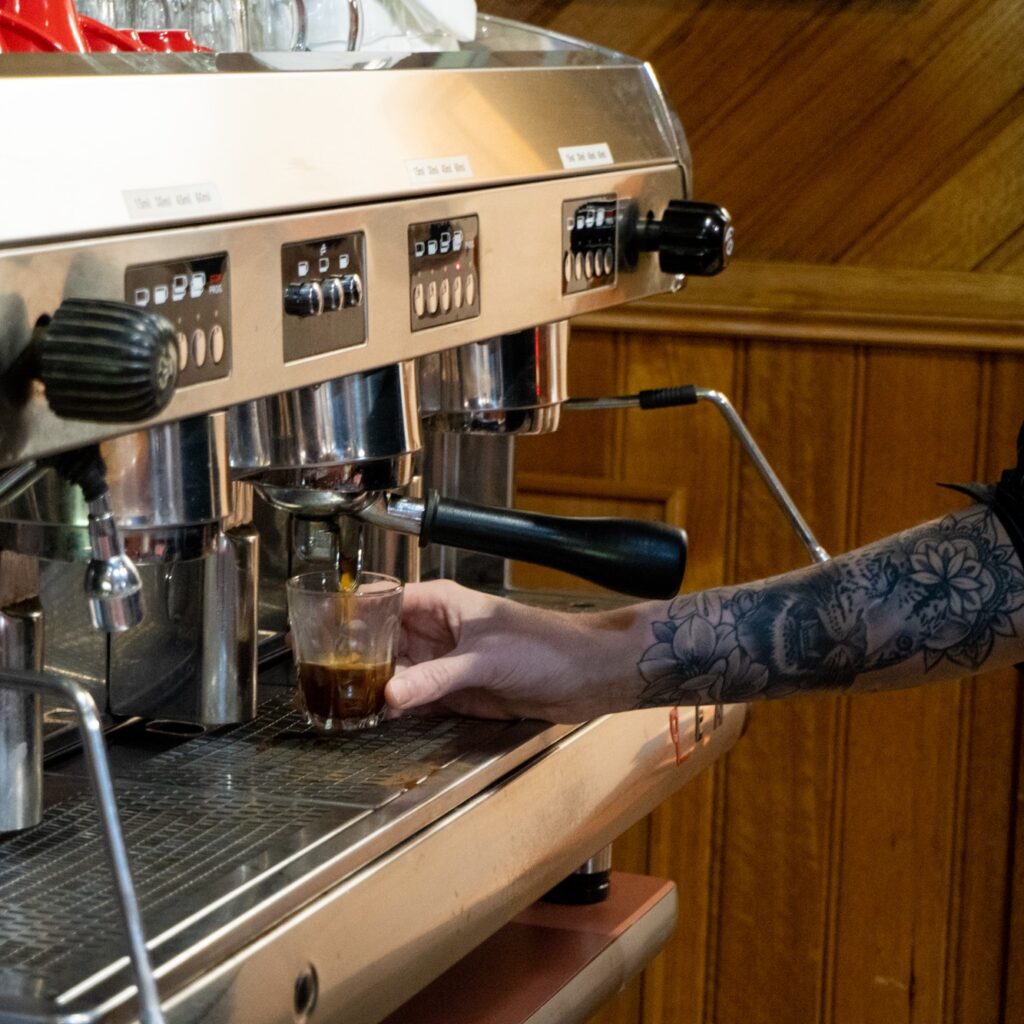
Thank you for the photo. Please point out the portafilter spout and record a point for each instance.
(635, 557)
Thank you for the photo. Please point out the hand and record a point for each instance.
(488, 657)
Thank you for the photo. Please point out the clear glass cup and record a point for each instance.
(344, 643)
(276, 24)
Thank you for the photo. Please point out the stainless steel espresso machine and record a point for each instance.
(293, 311)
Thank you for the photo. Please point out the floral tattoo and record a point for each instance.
(942, 593)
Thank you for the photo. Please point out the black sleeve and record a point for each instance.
(1006, 498)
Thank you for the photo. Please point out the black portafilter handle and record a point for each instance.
(635, 557)
(106, 362)
(691, 238)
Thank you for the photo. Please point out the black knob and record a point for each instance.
(690, 238)
(107, 362)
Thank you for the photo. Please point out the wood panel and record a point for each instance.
(803, 404)
(881, 134)
(854, 859)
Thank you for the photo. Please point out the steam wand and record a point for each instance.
(688, 394)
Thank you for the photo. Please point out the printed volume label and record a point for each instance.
(173, 201)
(598, 154)
(442, 168)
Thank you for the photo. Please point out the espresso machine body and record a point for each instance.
(362, 320)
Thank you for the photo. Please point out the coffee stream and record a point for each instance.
(348, 549)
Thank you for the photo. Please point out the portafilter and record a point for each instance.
(339, 448)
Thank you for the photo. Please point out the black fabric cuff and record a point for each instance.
(1006, 498)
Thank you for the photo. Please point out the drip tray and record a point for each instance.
(227, 833)
(278, 755)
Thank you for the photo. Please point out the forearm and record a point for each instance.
(943, 600)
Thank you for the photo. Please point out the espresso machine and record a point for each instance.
(305, 331)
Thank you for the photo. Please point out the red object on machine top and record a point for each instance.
(55, 26)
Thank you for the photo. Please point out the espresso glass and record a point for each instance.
(344, 642)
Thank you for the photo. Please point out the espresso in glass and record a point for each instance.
(342, 690)
(344, 638)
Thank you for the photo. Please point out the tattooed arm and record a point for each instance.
(943, 600)
(940, 601)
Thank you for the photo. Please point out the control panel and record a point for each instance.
(193, 294)
(444, 272)
(324, 295)
(589, 243)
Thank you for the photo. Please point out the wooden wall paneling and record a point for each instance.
(963, 221)
(586, 443)
(688, 448)
(991, 920)
(905, 124)
(905, 759)
(681, 831)
(629, 853)
(847, 118)
(903, 308)
(775, 852)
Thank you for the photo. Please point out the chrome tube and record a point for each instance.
(21, 716)
(84, 707)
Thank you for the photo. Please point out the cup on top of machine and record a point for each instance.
(344, 640)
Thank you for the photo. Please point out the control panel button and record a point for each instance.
(306, 299)
(443, 267)
(567, 267)
(193, 293)
(334, 297)
(590, 234)
(352, 290)
(217, 343)
(199, 346)
(141, 297)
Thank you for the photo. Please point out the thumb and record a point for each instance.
(431, 680)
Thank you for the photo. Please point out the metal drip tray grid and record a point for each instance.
(278, 755)
(58, 919)
(227, 833)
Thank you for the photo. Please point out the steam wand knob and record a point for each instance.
(107, 362)
(691, 238)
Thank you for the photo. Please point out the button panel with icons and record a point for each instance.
(444, 272)
(193, 294)
(324, 295)
(589, 243)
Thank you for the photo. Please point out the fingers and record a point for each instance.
(432, 680)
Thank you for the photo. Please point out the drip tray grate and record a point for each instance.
(58, 918)
(278, 755)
